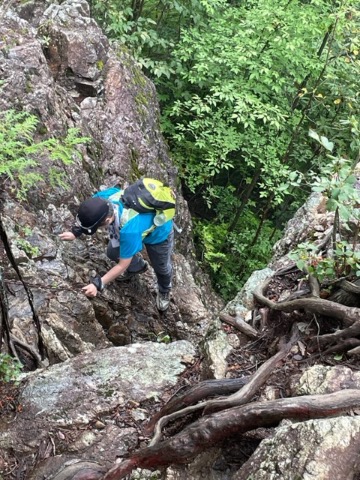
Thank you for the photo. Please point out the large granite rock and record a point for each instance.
(92, 407)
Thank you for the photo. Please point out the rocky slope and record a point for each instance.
(102, 367)
(56, 63)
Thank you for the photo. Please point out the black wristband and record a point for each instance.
(76, 231)
(97, 282)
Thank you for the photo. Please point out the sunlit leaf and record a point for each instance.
(314, 135)
(326, 144)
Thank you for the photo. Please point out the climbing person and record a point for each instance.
(129, 230)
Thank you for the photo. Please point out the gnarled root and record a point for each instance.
(213, 429)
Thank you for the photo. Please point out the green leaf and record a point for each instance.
(326, 144)
(314, 135)
(301, 265)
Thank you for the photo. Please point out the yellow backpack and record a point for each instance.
(148, 195)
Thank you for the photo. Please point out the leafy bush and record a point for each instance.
(337, 183)
(342, 262)
(10, 368)
(148, 30)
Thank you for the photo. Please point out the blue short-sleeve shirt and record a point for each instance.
(135, 232)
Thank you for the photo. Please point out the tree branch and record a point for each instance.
(240, 325)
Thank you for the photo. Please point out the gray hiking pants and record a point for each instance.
(160, 259)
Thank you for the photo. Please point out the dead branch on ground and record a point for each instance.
(240, 325)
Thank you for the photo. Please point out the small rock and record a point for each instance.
(99, 425)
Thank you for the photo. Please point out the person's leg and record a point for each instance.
(160, 259)
(137, 264)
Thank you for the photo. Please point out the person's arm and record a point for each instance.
(116, 271)
(91, 290)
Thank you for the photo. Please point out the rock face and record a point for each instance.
(56, 63)
(321, 449)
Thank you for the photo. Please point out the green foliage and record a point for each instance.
(27, 247)
(19, 152)
(342, 262)
(230, 269)
(160, 337)
(57, 178)
(10, 368)
(150, 29)
(241, 85)
(242, 73)
(338, 357)
(24, 243)
(338, 183)
(163, 337)
(339, 188)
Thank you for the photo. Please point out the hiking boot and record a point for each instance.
(127, 275)
(163, 301)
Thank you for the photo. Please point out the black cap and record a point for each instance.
(91, 213)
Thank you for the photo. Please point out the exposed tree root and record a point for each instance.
(348, 315)
(350, 287)
(320, 306)
(339, 335)
(5, 330)
(9, 253)
(354, 351)
(214, 429)
(197, 393)
(259, 378)
(343, 346)
(18, 343)
(239, 398)
(347, 293)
